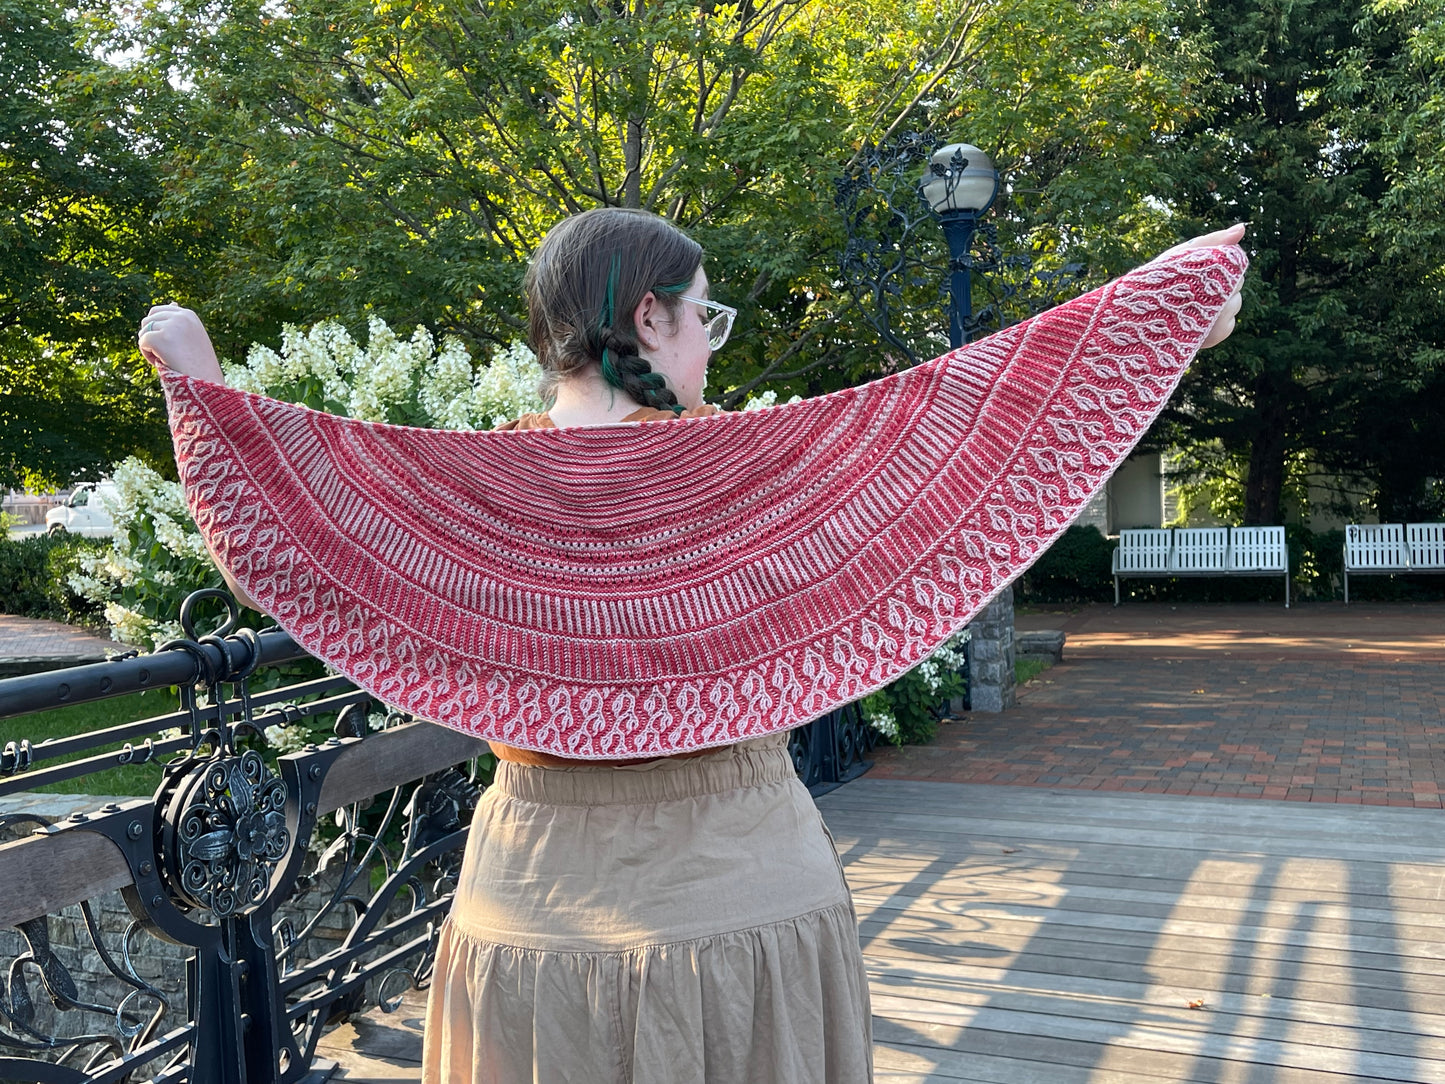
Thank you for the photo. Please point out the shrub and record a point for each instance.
(35, 574)
(402, 381)
(155, 560)
(158, 557)
(1316, 561)
(906, 712)
(1076, 568)
(62, 562)
(22, 575)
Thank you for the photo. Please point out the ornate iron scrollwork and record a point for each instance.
(830, 750)
(224, 833)
(236, 947)
(223, 830)
(441, 805)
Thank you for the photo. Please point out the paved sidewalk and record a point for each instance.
(1321, 703)
(27, 645)
(1398, 631)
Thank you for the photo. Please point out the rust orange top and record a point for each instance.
(543, 421)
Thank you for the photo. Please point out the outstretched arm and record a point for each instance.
(175, 338)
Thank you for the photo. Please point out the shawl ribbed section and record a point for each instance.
(644, 589)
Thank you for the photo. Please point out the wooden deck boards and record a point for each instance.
(1022, 934)
(1059, 937)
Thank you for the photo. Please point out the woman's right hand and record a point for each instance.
(1224, 323)
(175, 337)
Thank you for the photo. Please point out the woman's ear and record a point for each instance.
(645, 319)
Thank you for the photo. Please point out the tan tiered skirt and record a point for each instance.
(667, 923)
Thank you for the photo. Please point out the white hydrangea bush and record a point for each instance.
(157, 556)
(906, 711)
(948, 658)
(390, 379)
(881, 718)
(767, 398)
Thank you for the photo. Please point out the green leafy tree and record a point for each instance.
(1389, 424)
(80, 260)
(292, 163)
(405, 159)
(1324, 133)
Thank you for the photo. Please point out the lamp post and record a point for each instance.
(960, 186)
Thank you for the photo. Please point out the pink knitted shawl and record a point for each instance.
(643, 589)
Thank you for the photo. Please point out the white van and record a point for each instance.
(84, 512)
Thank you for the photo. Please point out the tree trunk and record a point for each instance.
(631, 194)
(1264, 486)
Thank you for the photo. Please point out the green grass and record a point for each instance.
(79, 718)
(1025, 670)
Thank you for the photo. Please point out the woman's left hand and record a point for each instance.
(175, 337)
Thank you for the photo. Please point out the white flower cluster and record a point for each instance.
(507, 387)
(766, 399)
(407, 381)
(949, 655)
(155, 547)
(881, 720)
(448, 395)
(130, 626)
(287, 739)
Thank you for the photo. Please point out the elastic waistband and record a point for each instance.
(756, 763)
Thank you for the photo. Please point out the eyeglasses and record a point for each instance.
(720, 326)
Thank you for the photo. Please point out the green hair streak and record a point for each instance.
(609, 371)
(607, 314)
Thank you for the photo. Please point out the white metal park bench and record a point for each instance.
(1202, 551)
(1392, 548)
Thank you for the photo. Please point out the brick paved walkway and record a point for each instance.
(26, 640)
(1319, 703)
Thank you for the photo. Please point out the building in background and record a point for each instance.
(1133, 497)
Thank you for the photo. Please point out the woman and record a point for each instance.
(669, 919)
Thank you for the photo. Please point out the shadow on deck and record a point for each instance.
(1020, 934)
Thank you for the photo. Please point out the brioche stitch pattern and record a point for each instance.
(645, 589)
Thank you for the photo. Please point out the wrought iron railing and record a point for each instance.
(211, 932)
(832, 749)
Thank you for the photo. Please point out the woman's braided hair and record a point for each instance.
(586, 279)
